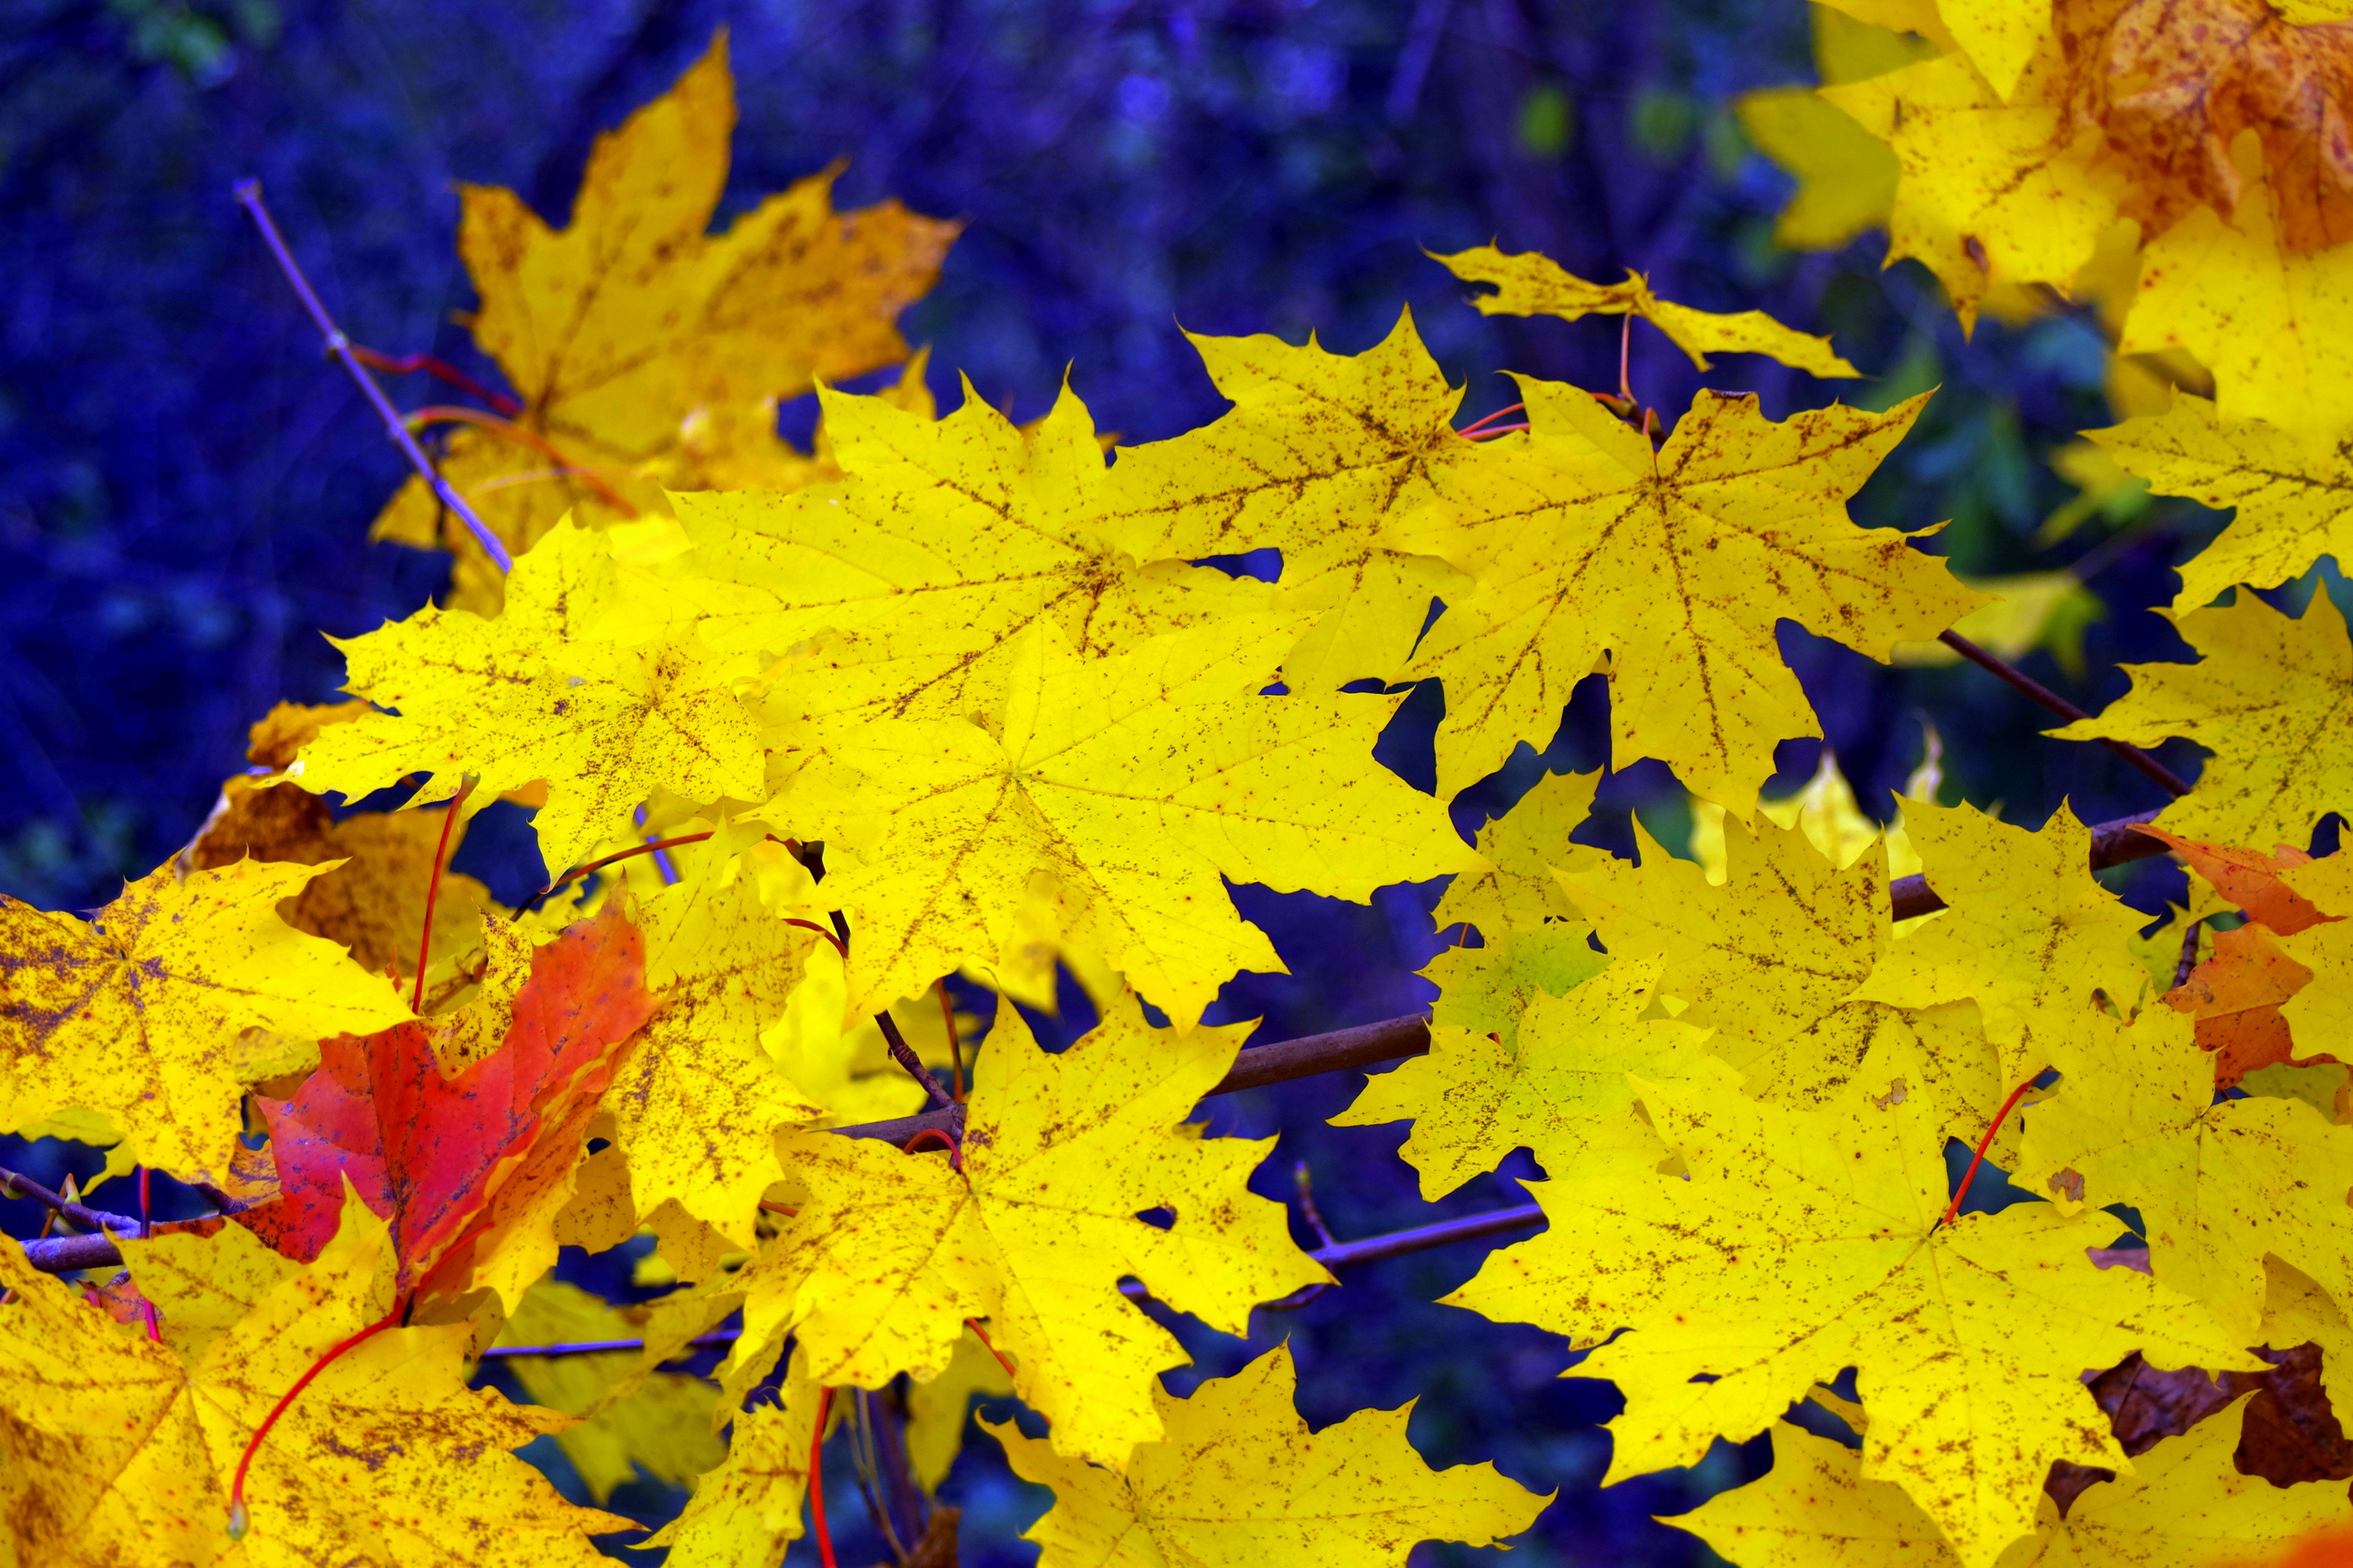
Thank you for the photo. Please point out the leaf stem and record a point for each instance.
(248, 197)
(817, 1483)
(450, 413)
(439, 370)
(433, 889)
(649, 847)
(902, 1053)
(1985, 1143)
(989, 1345)
(2020, 682)
(2188, 954)
(1477, 425)
(237, 1514)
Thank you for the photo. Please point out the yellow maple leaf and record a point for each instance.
(2000, 36)
(1991, 192)
(1529, 284)
(697, 1103)
(1801, 1243)
(1318, 453)
(745, 1510)
(646, 348)
(137, 1014)
(2322, 1009)
(1767, 959)
(547, 692)
(1239, 1481)
(2027, 933)
(2267, 700)
(120, 1450)
(945, 541)
(1136, 782)
(1522, 846)
(662, 1420)
(1559, 1087)
(2183, 1501)
(2218, 1183)
(1679, 563)
(1846, 176)
(2258, 315)
(2289, 497)
(890, 1254)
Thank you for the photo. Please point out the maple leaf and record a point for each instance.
(662, 1420)
(1768, 959)
(2237, 997)
(1991, 192)
(2258, 316)
(2320, 1011)
(1802, 1243)
(137, 1015)
(1239, 1481)
(1522, 847)
(2183, 1501)
(2268, 700)
(945, 543)
(1531, 285)
(2172, 83)
(1846, 176)
(1133, 782)
(1679, 563)
(1559, 1087)
(891, 1253)
(1319, 452)
(548, 693)
(649, 352)
(373, 902)
(2027, 933)
(2289, 497)
(436, 1156)
(120, 1450)
(2217, 1183)
(745, 1510)
(697, 1103)
(2255, 883)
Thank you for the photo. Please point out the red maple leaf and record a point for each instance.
(434, 1154)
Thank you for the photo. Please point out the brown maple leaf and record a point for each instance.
(2170, 84)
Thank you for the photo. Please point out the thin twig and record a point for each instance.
(2189, 953)
(96, 1221)
(248, 195)
(906, 1058)
(2019, 680)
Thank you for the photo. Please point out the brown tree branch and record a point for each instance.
(2019, 680)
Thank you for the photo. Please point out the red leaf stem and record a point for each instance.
(987, 1344)
(439, 370)
(236, 1516)
(450, 413)
(1984, 1143)
(649, 848)
(817, 1483)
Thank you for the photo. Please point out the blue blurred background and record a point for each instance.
(186, 486)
